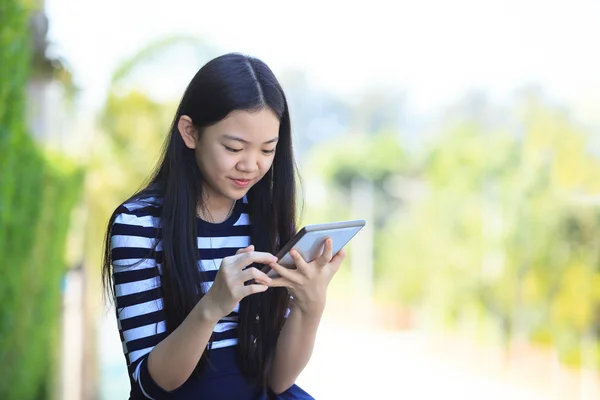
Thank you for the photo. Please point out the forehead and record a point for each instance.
(253, 126)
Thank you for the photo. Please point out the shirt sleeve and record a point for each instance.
(138, 296)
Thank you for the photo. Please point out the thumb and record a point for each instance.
(245, 250)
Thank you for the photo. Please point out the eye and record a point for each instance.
(269, 151)
(232, 149)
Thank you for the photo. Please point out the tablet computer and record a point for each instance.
(309, 242)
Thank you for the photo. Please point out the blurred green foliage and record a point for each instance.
(486, 230)
(37, 194)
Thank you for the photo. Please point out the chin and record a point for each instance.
(237, 195)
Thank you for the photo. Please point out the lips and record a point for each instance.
(241, 182)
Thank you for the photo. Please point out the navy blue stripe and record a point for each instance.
(144, 343)
(152, 232)
(208, 276)
(149, 232)
(143, 320)
(230, 334)
(145, 211)
(233, 230)
(138, 298)
(208, 254)
(135, 253)
(134, 275)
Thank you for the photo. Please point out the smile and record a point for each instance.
(241, 182)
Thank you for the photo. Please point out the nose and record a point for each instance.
(248, 164)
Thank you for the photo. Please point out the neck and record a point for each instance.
(215, 211)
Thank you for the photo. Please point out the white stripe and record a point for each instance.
(244, 219)
(132, 264)
(223, 241)
(140, 309)
(144, 221)
(144, 331)
(124, 289)
(225, 326)
(142, 388)
(210, 265)
(134, 205)
(140, 242)
(224, 343)
(206, 286)
(135, 355)
(136, 373)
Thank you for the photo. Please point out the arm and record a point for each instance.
(308, 283)
(173, 360)
(157, 362)
(294, 348)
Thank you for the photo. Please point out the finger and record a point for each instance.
(325, 257)
(286, 273)
(336, 261)
(253, 273)
(339, 256)
(244, 259)
(299, 261)
(245, 250)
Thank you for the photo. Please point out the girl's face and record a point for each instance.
(235, 153)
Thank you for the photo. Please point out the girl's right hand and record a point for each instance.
(228, 289)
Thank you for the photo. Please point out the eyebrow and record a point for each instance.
(239, 139)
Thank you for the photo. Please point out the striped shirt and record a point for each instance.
(137, 270)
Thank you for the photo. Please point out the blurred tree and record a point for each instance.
(38, 190)
(496, 237)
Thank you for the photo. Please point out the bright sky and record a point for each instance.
(434, 49)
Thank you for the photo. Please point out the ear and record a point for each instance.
(188, 132)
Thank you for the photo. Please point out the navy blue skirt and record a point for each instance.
(222, 379)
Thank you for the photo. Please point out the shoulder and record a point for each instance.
(138, 212)
(134, 230)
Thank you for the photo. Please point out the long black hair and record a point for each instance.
(225, 84)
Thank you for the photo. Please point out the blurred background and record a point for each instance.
(467, 134)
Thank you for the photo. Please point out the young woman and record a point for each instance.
(197, 318)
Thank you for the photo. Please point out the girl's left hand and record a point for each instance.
(309, 281)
